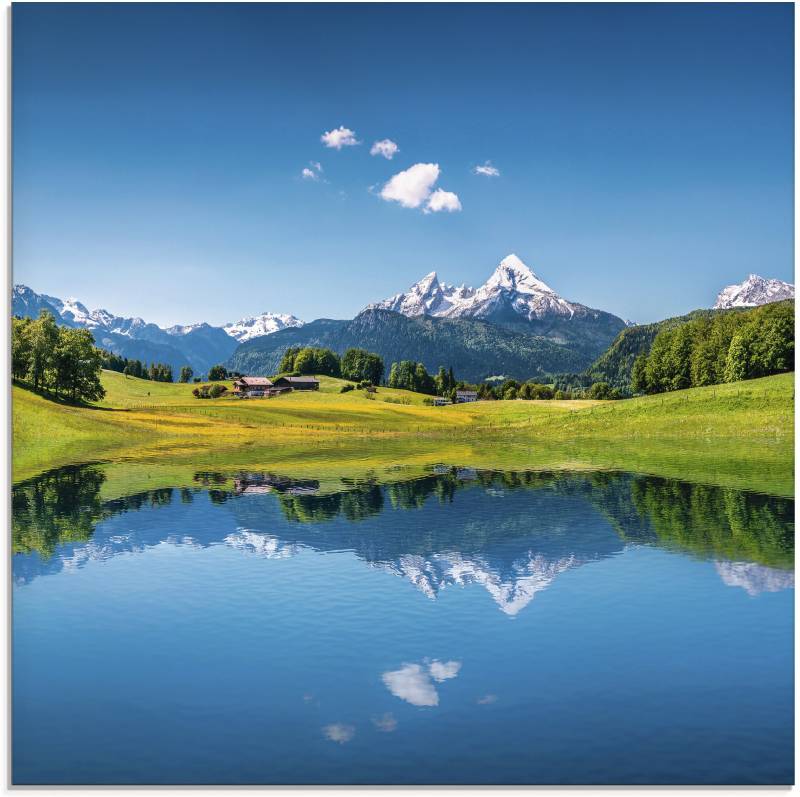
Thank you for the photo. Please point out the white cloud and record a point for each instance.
(442, 200)
(487, 700)
(443, 670)
(338, 732)
(487, 170)
(386, 724)
(313, 173)
(385, 147)
(412, 682)
(339, 137)
(413, 186)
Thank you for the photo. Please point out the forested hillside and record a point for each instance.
(474, 349)
(726, 347)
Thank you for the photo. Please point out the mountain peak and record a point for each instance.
(754, 291)
(428, 282)
(260, 325)
(513, 293)
(514, 263)
(514, 275)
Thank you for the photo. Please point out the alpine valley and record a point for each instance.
(514, 325)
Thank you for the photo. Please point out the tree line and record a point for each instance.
(156, 372)
(357, 365)
(364, 367)
(61, 361)
(726, 347)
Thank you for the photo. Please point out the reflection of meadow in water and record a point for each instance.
(511, 533)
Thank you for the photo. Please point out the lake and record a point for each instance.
(457, 627)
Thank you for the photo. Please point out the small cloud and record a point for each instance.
(313, 173)
(487, 700)
(443, 200)
(487, 170)
(386, 724)
(385, 147)
(339, 732)
(413, 186)
(339, 137)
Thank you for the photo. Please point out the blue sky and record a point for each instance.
(645, 152)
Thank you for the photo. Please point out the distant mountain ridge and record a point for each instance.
(197, 345)
(754, 291)
(474, 348)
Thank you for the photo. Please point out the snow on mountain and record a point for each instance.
(73, 313)
(511, 287)
(260, 325)
(754, 578)
(512, 591)
(753, 291)
(427, 297)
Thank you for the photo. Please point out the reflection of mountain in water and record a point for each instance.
(754, 578)
(512, 533)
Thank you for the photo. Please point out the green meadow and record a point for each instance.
(738, 435)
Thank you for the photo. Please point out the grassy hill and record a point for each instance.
(739, 434)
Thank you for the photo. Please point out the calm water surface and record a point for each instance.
(465, 627)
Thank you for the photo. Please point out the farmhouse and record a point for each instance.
(463, 396)
(441, 401)
(297, 382)
(247, 386)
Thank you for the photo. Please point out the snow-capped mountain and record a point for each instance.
(427, 297)
(512, 280)
(260, 325)
(513, 296)
(753, 291)
(198, 345)
(513, 292)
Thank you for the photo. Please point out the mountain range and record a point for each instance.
(198, 345)
(513, 325)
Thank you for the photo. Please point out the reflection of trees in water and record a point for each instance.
(358, 504)
(704, 519)
(64, 505)
(59, 506)
(728, 523)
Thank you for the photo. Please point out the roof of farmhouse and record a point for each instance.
(255, 381)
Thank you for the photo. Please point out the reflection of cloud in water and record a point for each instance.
(412, 682)
(442, 670)
(754, 578)
(339, 732)
(385, 723)
(264, 545)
